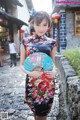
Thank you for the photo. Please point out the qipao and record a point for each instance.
(39, 93)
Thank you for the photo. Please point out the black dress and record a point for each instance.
(39, 101)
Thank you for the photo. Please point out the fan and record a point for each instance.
(38, 59)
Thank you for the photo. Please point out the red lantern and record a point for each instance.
(21, 31)
(1, 21)
(55, 17)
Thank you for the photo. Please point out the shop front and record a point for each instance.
(9, 26)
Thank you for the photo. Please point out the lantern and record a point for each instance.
(21, 31)
(1, 21)
(55, 17)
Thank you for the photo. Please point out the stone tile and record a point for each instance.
(12, 95)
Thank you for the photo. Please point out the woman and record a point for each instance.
(40, 105)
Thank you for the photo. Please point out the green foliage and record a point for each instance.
(73, 55)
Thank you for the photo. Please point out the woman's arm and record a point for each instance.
(22, 58)
(53, 52)
(53, 72)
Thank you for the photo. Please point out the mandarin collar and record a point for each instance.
(39, 37)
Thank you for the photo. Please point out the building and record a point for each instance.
(69, 24)
(11, 21)
(24, 14)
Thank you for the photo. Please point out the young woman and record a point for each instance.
(40, 105)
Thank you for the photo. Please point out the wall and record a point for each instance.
(70, 84)
(23, 12)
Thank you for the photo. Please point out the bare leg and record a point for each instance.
(41, 118)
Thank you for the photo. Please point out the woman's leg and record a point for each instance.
(41, 118)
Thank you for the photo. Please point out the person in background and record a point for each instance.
(1, 61)
(38, 42)
(12, 51)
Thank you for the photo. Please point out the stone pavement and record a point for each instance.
(12, 95)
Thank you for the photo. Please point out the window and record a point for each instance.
(77, 23)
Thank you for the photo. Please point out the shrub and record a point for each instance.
(73, 55)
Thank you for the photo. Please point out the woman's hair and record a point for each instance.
(40, 16)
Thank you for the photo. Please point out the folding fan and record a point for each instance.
(38, 59)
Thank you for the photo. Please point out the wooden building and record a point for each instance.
(69, 24)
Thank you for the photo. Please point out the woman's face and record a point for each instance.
(42, 28)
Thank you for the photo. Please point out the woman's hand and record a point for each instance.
(52, 73)
(35, 74)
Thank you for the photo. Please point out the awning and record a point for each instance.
(10, 3)
(12, 18)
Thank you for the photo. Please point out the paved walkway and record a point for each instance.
(12, 95)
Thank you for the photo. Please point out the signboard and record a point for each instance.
(68, 2)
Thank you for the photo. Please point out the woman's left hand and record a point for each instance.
(52, 73)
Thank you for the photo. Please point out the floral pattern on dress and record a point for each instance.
(42, 89)
(39, 90)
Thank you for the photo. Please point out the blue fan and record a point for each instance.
(38, 59)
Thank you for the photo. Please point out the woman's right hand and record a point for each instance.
(35, 74)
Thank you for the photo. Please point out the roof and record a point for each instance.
(12, 18)
(10, 2)
(66, 4)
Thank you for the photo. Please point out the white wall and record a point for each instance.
(23, 13)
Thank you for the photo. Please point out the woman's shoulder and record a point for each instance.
(26, 40)
(49, 39)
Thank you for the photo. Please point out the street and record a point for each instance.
(12, 82)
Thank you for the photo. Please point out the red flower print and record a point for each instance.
(32, 80)
(43, 85)
(35, 93)
(43, 76)
(33, 88)
(39, 97)
(51, 92)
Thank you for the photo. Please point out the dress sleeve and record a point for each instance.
(25, 41)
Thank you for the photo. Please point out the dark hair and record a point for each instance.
(39, 16)
(32, 30)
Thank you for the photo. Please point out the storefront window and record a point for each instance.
(77, 23)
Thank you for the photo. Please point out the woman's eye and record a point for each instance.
(45, 24)
(37, 25)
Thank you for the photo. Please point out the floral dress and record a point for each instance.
(39, 92)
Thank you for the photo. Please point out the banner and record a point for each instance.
(68, 2)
